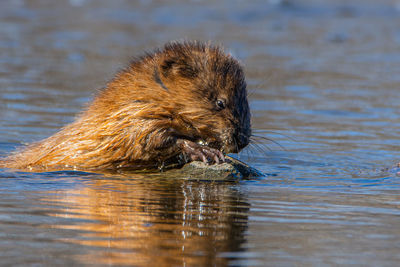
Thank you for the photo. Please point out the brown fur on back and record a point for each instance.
(144, 112)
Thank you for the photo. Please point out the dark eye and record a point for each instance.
(220, 104)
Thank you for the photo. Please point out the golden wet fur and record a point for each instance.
(165, 105)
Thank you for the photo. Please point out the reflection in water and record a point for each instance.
(152, 221)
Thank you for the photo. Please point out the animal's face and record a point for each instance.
(210, 94)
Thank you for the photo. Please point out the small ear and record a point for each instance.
(178, 67)
(167, 66)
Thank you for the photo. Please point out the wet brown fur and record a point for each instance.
(146, 112)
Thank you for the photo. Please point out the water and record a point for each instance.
(324, 84)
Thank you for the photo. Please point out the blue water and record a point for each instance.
(323, 83)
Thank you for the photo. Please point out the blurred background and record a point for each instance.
(323, 81)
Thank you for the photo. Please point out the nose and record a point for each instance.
(242, 140)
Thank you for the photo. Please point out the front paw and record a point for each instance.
(195, 152)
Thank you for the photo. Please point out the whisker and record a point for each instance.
(273, 132)
(269, 140)
(259, 149)
(249, 152)
(252, 152)
(264, 146)
(250, 92)
(252, 148)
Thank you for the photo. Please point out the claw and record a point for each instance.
(197, 152)
(216, 159)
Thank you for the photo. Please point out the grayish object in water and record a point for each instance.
(231, 169)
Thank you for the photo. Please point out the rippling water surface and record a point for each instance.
(324, 83)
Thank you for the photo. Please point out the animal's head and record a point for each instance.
(207, 95)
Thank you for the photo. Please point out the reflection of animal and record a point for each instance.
(186, 101)
(152, 221)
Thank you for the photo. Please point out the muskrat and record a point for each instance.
(184, 102)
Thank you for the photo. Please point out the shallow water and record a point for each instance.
(324, 84)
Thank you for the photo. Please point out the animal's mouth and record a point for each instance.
(212, 144)
(234, 147)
